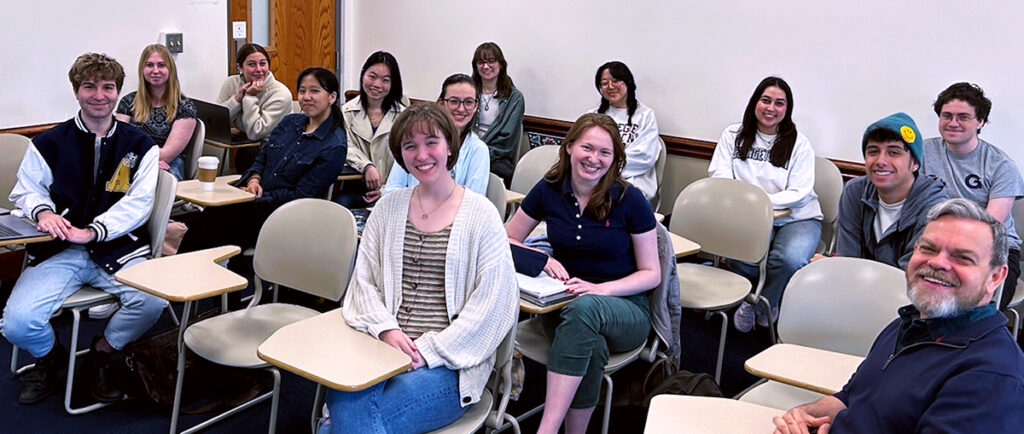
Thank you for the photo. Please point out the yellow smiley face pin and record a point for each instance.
(908, 134)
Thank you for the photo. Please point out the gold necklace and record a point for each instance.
(425, 214)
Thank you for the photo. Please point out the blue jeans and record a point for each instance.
(791, 248)
(178, 167)
(41, 289)
(413, 402)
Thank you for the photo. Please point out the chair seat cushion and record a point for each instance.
(231, 339)
(472, 419)
(710, 288)
(88, 296)
(531, 342)
(781, 396)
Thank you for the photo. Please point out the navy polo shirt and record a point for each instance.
(594, 250)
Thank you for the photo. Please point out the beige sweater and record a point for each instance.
(481, 292)
(256, 115)
(366, 146)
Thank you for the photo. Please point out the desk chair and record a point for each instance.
(306, 244)
(532, 167)
(659, 174)
(496, 193)
(836, 304)
(1018, 295)
(12, 150)
(729, 219)
(828, 185)
(87, 296)
(194, 150)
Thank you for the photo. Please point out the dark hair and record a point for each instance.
(618, 71)
(969, 93)
(786, 138)
(329, 82)
(490, 49)
(97, 67)
(423, 117)
(248, 49)
(885, 135)
(456, 79)
(600, 203)
(394, 96)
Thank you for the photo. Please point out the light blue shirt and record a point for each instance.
(471, 170)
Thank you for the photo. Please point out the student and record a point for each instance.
(499, 120)
(767, 151)
(160, 109)
(368, 120)
(602, 232)
(472, 170)
(301, 158)
(429, 281)
(637, 125)
(973, 168)
(95, 208)
(882, 213)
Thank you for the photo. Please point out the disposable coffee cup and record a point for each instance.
(207, 172)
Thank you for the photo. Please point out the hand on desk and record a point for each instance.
(579, 286)
(59, 227)
(556, 270)
(254, 187)
(797, 420)
(398, 339)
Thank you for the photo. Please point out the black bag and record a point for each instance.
(686, 383)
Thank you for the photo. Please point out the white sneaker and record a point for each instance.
(103, 311)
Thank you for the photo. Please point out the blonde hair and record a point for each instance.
(172, 94)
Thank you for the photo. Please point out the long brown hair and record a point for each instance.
(492, 50)
(172, 94)
(600, 203)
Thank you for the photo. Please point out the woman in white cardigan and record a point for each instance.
(429, 281)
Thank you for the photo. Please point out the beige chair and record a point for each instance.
(659, 174)
(524, 145)
(194, 150)
(825, 312)
(496, 193)
(828, 185)
(296, 107)
(87, 296)
(306, 244)
(729, 219)
(12, 149)
(532, 167)
(1018, 295)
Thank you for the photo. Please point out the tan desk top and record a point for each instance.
(328, 351)
(350, 177)
(670, 414)
(222, 194)
(513, 196)
(185, 276)
(781, 212)
(223, 145)
(683, 246)
(30, 240)
(808, 368)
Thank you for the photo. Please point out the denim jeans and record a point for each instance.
(41, 289)
(791, 248)
(178, 167)
(413, 402)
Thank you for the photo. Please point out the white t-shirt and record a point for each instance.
(887, 215)
(642, 146)
(487, 113)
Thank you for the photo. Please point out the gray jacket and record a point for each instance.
(666, 311)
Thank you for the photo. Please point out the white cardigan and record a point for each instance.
(481, 292)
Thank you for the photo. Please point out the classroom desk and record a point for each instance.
(683, 246)
(781, 212)
(227, 156)
(533, 309)
(808, 368)
(26, 240)
(701, 414)
(223, 192)
(512, 197)
(350, 176)
(186, 277)
(328, 351)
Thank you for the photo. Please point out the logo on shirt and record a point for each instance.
(121, 179)
(973, 181)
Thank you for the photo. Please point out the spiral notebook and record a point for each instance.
(542, 290)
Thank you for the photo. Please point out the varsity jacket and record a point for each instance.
(57, 174)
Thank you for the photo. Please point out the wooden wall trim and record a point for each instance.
(29, 131)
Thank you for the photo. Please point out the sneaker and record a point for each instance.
(102, 375)
(743, 318)
(762, 319)
(40, 381)
(103, 311)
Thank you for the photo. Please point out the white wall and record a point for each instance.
(42, 38)
(696, 62)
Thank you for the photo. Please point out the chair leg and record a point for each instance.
(721, 346)
(76, 320)
(274, 399)
(771, 319)
(174, 317)
(318, 403)
(607, 404)
(176, 407)
(1016, 322)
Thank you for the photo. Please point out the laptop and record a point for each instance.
(217, 119)
(13, 228)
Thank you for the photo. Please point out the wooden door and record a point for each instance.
(302, 34)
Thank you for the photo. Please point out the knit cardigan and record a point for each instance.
(256, 115)
(481, 292)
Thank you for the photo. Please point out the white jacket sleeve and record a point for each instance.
(31, 194)
(261, 115)
(642, 152)
(721, 160)
(226, 97)
(801, 177)
(135, 207)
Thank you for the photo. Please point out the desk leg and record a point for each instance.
(181, 367)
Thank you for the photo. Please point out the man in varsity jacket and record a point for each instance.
(88, 182)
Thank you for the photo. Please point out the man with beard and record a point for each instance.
(947, 364)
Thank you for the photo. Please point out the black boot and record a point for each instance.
(102, 374)
(40, 381)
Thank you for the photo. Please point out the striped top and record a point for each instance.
(423, 306)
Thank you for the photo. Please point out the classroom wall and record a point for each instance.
(696, 62)
(42, 38)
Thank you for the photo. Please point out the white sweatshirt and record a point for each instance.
(642, 146)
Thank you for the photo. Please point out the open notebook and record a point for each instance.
(542, 290)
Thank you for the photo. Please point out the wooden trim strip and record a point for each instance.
(29, 131)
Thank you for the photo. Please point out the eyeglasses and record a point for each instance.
(454, 103)
(960, 117)
(483, 62)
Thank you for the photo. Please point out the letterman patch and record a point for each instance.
(121, 179)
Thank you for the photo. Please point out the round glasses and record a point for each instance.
(454, 103)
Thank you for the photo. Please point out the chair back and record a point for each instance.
(532, 167)
(524, 145)
(841, 304)
(308, 245)
(194, 150)
(727, 217)
(12, 150)
(659, 174)
(496, 194)
(828, 185)
(163, 202)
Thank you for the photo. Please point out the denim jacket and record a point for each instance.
(295, 165)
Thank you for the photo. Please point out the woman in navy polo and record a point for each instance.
(602, 232)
